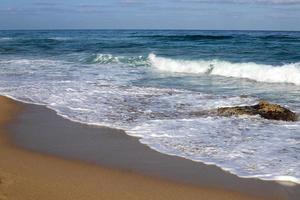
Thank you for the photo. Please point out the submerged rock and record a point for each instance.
(264, 109)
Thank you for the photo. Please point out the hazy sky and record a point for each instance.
(150, 14)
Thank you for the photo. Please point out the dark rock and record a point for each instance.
(264, 109)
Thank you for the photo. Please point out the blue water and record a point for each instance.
(149, 82)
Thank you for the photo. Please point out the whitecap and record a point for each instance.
(288, 73)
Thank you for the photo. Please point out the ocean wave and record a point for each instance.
(278, 37)
(187, 37)
(35, 41)
(5, 38)
(288, 73)
(110, 59)
(60, 38)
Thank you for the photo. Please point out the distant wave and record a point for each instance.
(36, 40)
(60, 38)
(188, 37)
(278, 37)
(5, 38)
(45, 40)
(191, 37)
(288, 73)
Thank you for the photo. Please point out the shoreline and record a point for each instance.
(109, 149)
(284, 180)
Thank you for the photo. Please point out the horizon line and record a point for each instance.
(143, 29)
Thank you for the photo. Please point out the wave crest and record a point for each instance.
(110, 59)
(288, 73)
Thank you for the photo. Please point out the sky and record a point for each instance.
(151, 14)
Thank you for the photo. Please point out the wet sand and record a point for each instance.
(44, 156)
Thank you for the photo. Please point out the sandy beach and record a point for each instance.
(44, 156)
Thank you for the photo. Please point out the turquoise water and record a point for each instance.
(149, 82)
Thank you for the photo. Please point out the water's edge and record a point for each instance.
(285, 180)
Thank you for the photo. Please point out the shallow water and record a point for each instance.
(149, 82)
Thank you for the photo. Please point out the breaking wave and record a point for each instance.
(288, 73)
(110, 59)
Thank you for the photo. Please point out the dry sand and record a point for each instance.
(26, 175)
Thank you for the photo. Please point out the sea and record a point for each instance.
(151, 83)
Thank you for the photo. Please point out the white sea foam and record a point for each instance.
(105, 58)
(243, 146)
(103, 94)
(289, 73)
